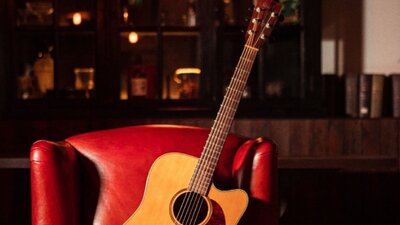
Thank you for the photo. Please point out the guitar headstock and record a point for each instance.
(264, 18)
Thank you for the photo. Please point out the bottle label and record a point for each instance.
(138, 86)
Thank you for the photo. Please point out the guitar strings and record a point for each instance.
(242, 71)
(237, 89)
(215, 154)
(257, 43)
(245, 73)
(241, 87)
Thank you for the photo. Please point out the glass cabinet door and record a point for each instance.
(138, 60)
(34, 64)
(76, 14)
(76, 65)
(159, 49)
(155, 53)
(138, 13)
(178, 13)
(181, 65)
(34, 12)
(55, 49)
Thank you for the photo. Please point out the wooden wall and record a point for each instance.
(323, 142)
(332, 171)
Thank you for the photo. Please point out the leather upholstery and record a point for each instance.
(99, 177)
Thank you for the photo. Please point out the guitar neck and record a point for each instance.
(265, 15)
(207, 163)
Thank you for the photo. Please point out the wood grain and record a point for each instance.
(169, 175)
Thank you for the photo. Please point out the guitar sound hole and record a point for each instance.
(190, 208)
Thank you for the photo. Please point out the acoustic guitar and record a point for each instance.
(179, 187)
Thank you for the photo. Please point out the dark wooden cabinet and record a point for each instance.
(96, 56)
(123, 40)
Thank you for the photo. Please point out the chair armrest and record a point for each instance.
(255, 170)
(54, 185)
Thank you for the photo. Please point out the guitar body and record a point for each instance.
(179, 187)
(168, 178)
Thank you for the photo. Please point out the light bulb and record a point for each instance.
(77, 19)
(133, 37)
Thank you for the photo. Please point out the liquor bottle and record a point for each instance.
(43, 69)
(138, 85)
(191, 14)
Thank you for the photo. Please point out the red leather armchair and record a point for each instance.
(99, 177)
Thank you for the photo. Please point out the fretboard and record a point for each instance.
(201, 179)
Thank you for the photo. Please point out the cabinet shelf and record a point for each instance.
(14, 163)
(153, 108)
(103, 45)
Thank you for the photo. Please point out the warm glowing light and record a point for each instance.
(77, 19)
(133, 37)
(185, 71)
(125, 15)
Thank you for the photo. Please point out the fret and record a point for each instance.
(246, 63)
(218, 141)
(205, 177)
(201, 180)
(221, 115)
(212, 146)
(207, 169)
(202, 189)
(232, 99)
(221, 133)
(218, 123)
(217, 145)
(212, 155)
(235, 90)
(251, 48)
(239, 81)
(233, 109)
(228, 117)
(242, 58)
(240, 69)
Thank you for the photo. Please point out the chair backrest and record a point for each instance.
(99, 177)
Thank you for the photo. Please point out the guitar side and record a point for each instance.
(169, 175)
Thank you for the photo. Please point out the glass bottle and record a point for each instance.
(191, 15)
(138, 84)
(43, 69)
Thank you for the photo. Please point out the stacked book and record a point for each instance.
(395, 80)
(368, 95)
